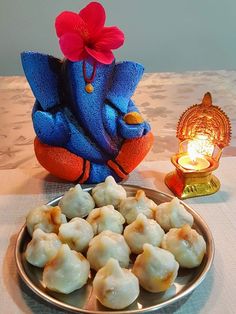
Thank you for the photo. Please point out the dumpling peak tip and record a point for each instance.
(113, 267)
(175, 200)
(110, 180)
(175, 203)
(140, 194)
(141, 218)
(184, 232)
(109, 207)
(141, 215)
(112, 261)
(148, 248)
(105, 239)
(37, 232)
(78, 187)
(65, 247)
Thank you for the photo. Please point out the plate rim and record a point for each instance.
(65, 306)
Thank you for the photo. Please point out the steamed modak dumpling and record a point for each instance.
(108, 193)
(45, 217)
(115, 287)
(77, 233)
(143, 230)
(105, 245)
(106, 218)
(134, 205)
(76, 202)
(172, 215)
(186, 245)
(42, 248)
(155, 268)
(67, 271)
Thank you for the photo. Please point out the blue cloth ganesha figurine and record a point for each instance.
(87, 127)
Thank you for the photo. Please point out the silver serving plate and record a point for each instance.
(84, 300)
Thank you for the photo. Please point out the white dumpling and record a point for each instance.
(106, 218)
(42, 248)
(172, 215)
(188, 246)
(77, 233)
(45, 217)
(115, 287)
(105, 245)
(76, 202)
(134, 205)
(155, 268)
(66, 272)
(108, 193)
(143, 230)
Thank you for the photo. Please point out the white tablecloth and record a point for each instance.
(162, 98)
(215, 295)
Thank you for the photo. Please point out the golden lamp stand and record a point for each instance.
(209, 127)
(189, 183)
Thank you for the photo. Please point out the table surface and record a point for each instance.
(161, 98)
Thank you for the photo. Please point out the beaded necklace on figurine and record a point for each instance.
(89, 87)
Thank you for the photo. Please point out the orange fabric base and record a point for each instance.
(132, 153)
(116, 169)
(61, 163)
(66, 165)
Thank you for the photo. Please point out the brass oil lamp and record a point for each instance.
(203, 131)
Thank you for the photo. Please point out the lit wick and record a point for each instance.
(193, 160)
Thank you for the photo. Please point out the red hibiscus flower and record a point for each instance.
(83, 34)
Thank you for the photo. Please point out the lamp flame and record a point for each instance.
(193, 153)
(200, 146)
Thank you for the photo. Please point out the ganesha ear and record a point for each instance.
(124, 82)
(43, 74)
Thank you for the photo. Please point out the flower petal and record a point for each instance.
(94, 16)
(68, 22)
(109, 38)
(72, 46)
(105, 57)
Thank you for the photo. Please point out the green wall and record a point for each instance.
(164, 35)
